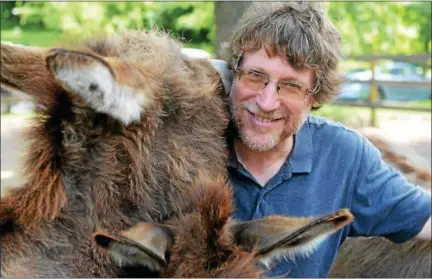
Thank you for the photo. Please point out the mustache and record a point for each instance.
(254, 109)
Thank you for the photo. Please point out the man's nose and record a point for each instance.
(268, 99)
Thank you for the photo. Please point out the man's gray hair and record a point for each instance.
(299, 31)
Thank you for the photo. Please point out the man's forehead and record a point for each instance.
(276, 54)
(277, 64)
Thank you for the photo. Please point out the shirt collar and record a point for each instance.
(232, 157)
(300, 159)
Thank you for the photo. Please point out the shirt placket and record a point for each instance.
(280, 178)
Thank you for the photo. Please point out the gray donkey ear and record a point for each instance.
(144, 244)
(107, 84)
(277, 237)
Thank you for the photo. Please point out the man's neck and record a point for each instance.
(263, 165)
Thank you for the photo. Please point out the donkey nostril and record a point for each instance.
(340, 220)
(103, 240)
(93, 87)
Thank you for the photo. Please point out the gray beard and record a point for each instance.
(251, 144)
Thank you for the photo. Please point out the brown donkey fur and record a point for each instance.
(377, 257)
(206, 243)
(126, 127)
(125, 123)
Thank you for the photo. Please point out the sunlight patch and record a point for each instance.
(7, 174)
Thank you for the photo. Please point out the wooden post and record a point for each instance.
(373, 95)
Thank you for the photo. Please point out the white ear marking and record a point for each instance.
(305, 250)
(96, 85)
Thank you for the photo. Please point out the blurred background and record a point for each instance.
(386, 50)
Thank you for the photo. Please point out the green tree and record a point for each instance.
(192, 21)
(383, 27)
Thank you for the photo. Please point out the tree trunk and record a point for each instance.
(227, 14)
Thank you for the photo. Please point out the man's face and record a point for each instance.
(265, 117)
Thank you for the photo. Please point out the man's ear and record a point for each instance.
(144, 244)
(109, 85)
(276, 237)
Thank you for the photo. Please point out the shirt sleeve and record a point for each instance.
(384, 203)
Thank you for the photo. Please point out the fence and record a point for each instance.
(373, 101)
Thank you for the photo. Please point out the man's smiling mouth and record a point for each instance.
(264, 118)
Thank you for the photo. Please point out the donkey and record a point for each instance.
(377, 257)
(125, 126)
(206, 243)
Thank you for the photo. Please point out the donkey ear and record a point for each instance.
(276, 237)
(23, 69)
(103, 83)
(144, 244)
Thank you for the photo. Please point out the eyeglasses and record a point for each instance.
(286, 88)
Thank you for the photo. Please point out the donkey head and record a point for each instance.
(108, 111)
(72, 89)
(207, 243)
(109, 85)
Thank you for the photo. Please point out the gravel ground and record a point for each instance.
(409, 131)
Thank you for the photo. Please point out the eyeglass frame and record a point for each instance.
(303, 87)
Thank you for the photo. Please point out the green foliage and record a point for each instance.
(366, 27)
(32, 37)
(8, 20)
(383, 27)
(350, 116)
(190, 21)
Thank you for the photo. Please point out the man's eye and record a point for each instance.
(255, 75)
(289, 84)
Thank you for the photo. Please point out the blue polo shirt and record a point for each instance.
(332, 167)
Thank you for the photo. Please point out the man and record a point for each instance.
(284, 58)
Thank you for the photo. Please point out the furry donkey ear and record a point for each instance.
(108, 85)
(23, 69)
(144, 244)
(278, 236)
